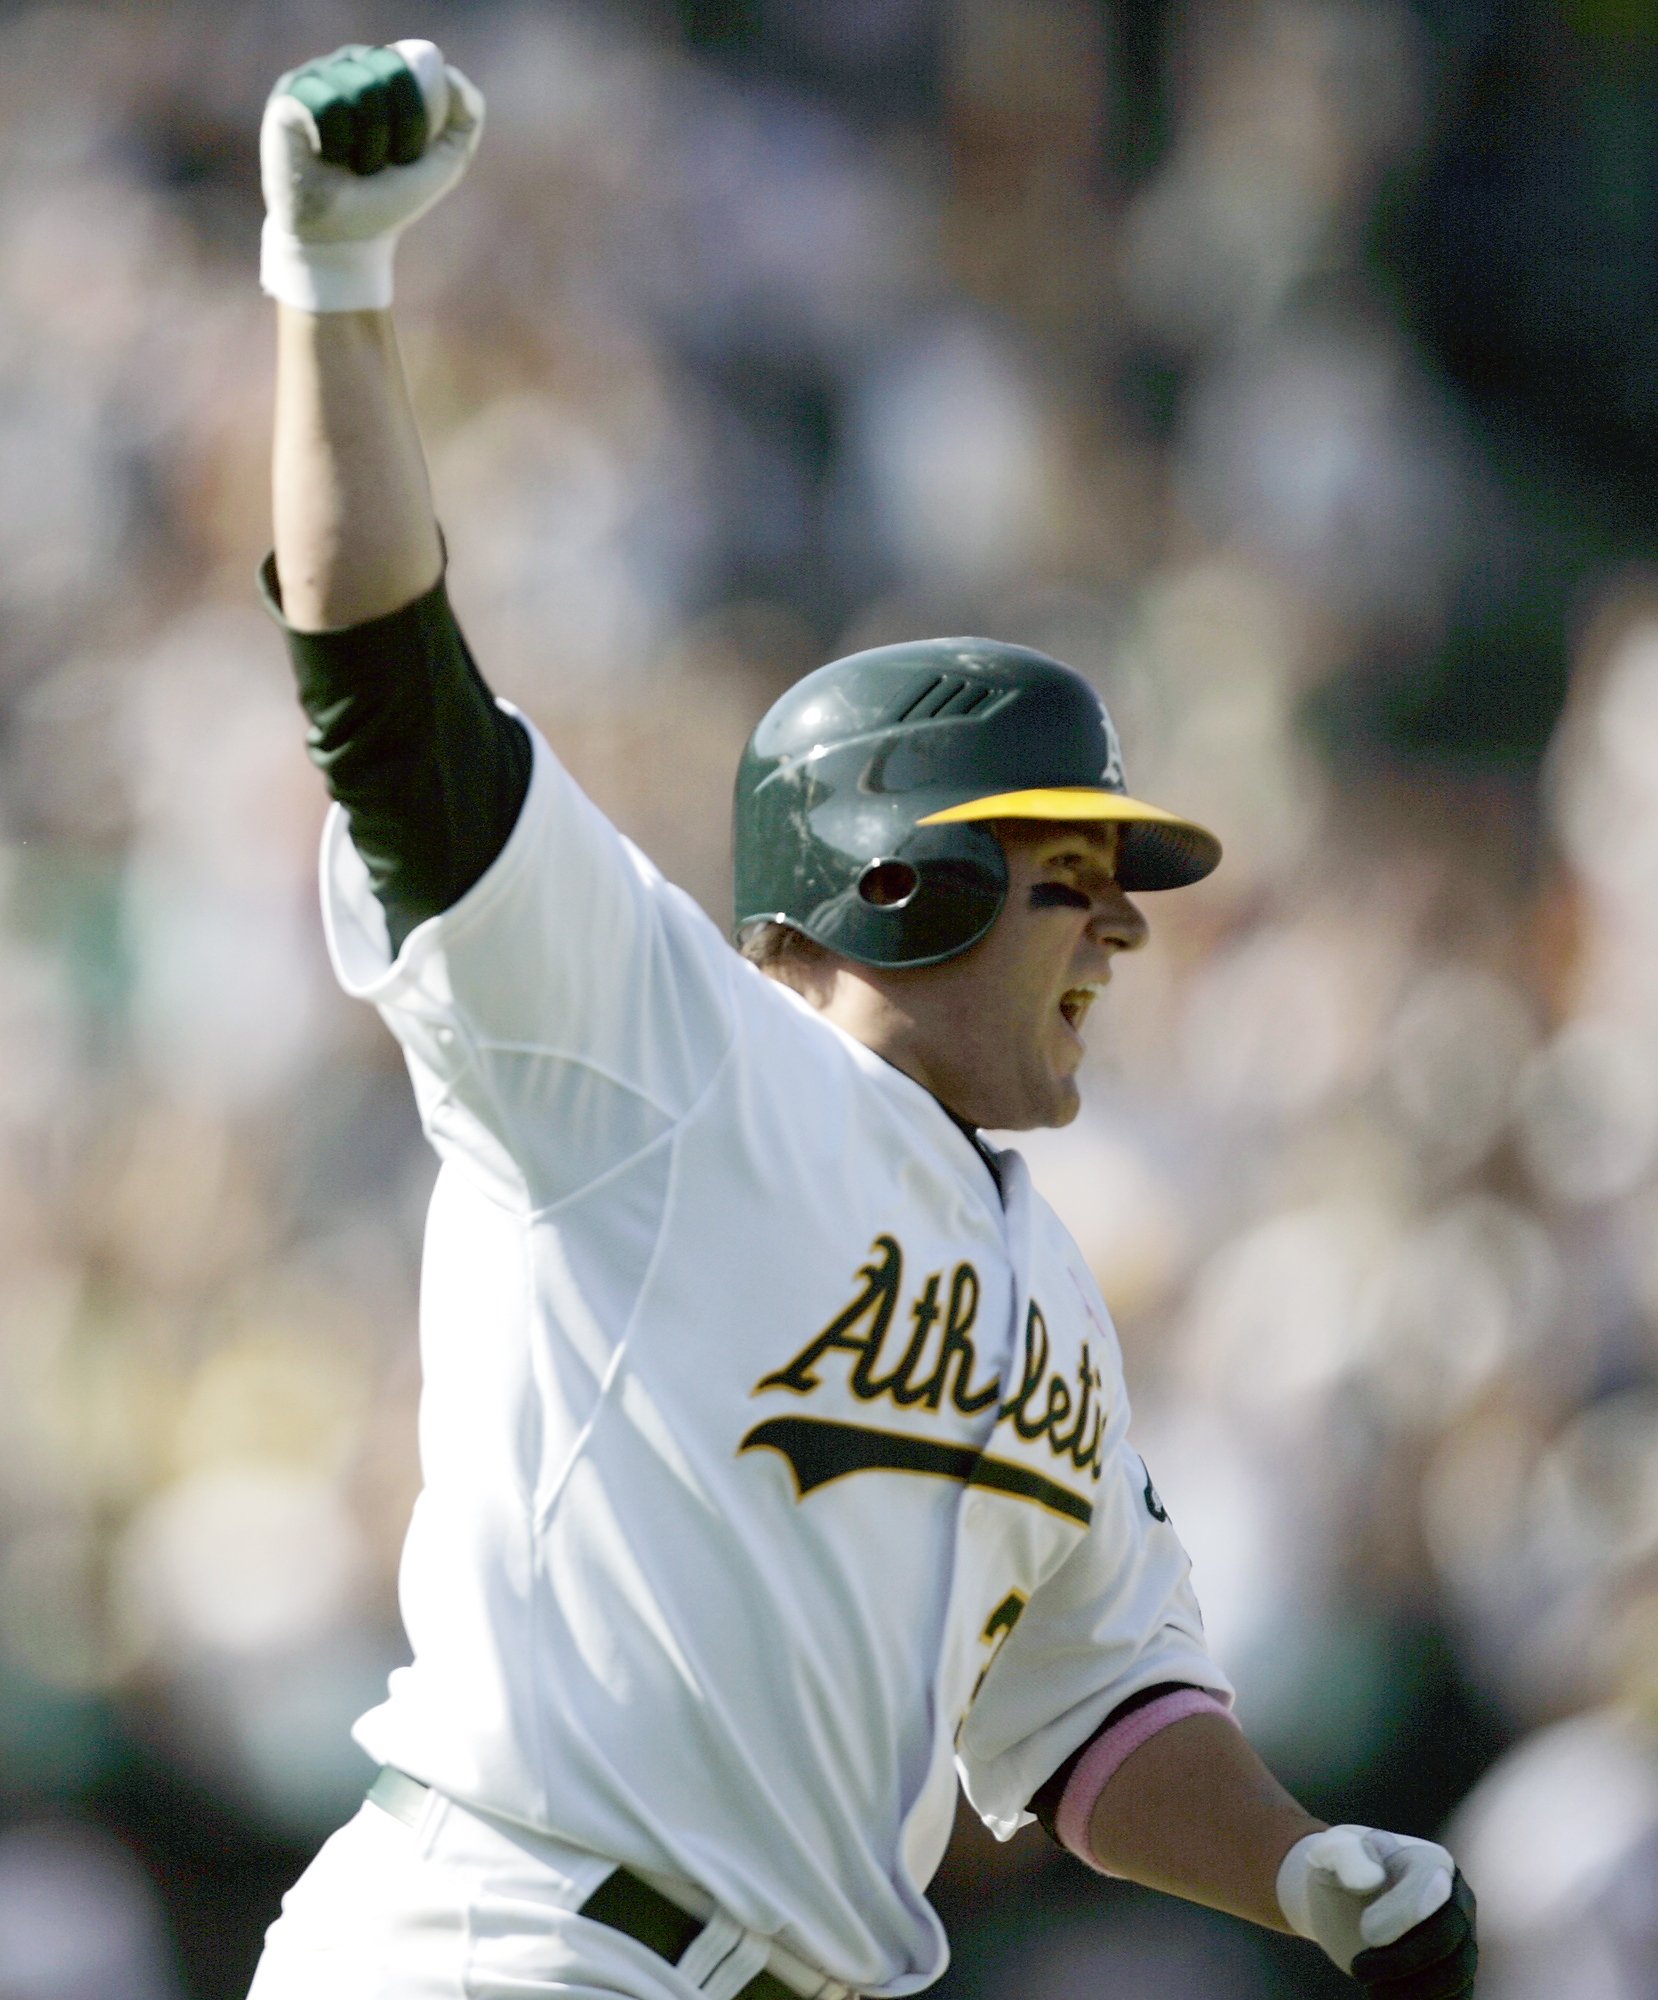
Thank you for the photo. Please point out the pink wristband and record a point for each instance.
(1107, 1753)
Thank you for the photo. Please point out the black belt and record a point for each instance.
(621, 1900)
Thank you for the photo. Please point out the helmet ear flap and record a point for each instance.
(889, 885)
(937, 894)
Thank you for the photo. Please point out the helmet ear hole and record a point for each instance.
(888, 885)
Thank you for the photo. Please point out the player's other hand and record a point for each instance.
(1392, 1911)
(353, 148)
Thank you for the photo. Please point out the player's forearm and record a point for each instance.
(1194, 1812)
(355, 532)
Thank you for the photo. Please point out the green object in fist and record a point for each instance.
(352, 149)
(367, 106)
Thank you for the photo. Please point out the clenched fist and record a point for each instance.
(1391, 1910)
(352, 149)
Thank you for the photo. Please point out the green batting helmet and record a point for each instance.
(859, 796)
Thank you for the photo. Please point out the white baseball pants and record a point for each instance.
(460, 1908)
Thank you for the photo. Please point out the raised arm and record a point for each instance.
(352, 149)
(355, 532)
(430, 771)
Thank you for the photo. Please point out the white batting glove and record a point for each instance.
(1390, 1910)
(352, 149)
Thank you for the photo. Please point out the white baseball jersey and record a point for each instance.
(775, 1467)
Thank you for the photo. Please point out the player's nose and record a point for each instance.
(1118, 922)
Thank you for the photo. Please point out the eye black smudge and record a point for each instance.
(1049, 895)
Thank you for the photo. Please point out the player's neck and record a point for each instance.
(861, 1007)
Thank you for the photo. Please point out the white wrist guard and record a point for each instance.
(330, 234)
(326, 277)
(1350, 1888)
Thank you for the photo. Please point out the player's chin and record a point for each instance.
(1039, 1096)
(1057, 1102)
(1041, 1088)
(1069, 1103)
(1063, 1094)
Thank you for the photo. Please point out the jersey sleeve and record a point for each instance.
(1117, 1618)
(562, 1014)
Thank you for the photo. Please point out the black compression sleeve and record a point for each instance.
(430, 771)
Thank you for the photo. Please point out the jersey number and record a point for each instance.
(995, 1634)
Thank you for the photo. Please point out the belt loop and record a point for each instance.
(710, 1948)
(395, 1792)
(724, 1959)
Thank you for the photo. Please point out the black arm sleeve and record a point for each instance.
(1045, 1801)
(431, 773)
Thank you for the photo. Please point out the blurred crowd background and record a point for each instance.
(1290, 367)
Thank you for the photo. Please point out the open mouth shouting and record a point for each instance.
(1075, 1003)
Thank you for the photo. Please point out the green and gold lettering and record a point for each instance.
(957, 1354)
(1018, 1405)
(996, 1629)
(1043, 1406)
(898, 1385)
(872, 1307)
(1044, 1403)
(1085, 1457)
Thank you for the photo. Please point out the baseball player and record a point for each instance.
(773, 1433)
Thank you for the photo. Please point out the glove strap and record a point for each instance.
(1292, 1887)
(327, 277)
